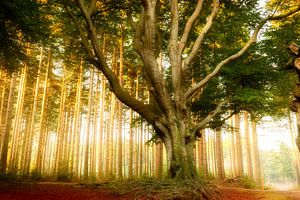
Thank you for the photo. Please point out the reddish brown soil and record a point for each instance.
(245, 194)
(61, 191)
(52, 191)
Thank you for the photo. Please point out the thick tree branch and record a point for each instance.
(192, 91)
(175, 57)
(100, 62)
(209, 117)
(189, 24)
(84, 40)
(145, 44)
(200, 38)
(174, 24)
(284, 15)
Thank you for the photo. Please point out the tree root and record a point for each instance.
(167, 189)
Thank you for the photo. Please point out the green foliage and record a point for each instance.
(247, 182)
(35, 175)
(9, 177)
(21, 22)
(278, 165)
(63, 177)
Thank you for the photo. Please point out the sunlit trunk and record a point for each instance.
(8, 124)
(219, 155)
(77, 124)
(296, 153)
(41, 141)
(239, 151)
(14, 154)
(2, 101)
(101, 128)
(88, 128)
(120, 113)
(256, 160)
(233, 150)
(248, 146)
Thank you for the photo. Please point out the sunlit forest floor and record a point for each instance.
(56, 191)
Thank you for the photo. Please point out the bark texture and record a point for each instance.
(295, 105)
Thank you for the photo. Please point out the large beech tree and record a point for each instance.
(159, 26)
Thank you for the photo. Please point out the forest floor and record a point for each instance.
(71, 191)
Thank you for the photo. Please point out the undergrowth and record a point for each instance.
(248, 183)
(166, 189)
(245, 182)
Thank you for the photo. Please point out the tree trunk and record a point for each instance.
(88, 129)
(239, 151)
(233, 150)
(180, 157)
(296, 154)
(8, 123)
(77, 122)
(219, 155)
(41, 123)
(256, 160)
(248, 146)
(101, 128)
(159, 160)
(95, 128)
(30, 133)
(120, 113)
(2, 101)
(14, 154)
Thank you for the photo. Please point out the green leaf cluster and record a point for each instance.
(21, 23)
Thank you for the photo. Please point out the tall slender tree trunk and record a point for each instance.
(248, 146)
(14, 154)
(42, 120)
(77, 122)
(219, 155)
(131, 135)
(204, 154)
(95, 128)
(60, 132)
(233, 150)
(88, 128)
(31, 122)
(120, 113)
(239, 151)
(296, 154)
(8, 124)
(101, 128)
(109, 139)
(2, 101)
(256, 160)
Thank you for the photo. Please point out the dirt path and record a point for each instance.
(66, 191)
(52, 191)
(244, 194)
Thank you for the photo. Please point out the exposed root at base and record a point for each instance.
(165, 189)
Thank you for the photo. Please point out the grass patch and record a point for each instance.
(166, 189)
(247, 182)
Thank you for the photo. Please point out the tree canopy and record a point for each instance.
(21, 23)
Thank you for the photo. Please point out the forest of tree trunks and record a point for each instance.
(69, 126)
